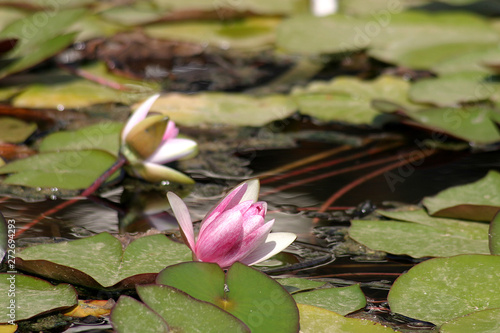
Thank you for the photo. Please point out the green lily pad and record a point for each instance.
(248, 34)
(223, 108)
(265, 7)
(99, 261)
(472, 124)
(441, 289)
(295, 285)
(421, 236)
(104, 136)
(342, 300)
(26, 296)
(349, 99)
(244, 292)
(130, 316)
(478, 201)
(14, 130)
(486, 321)
(494, 235)
(318, 320)
(473, 61)
(9, 15)
(431, 32)
(452, 90)
(187, 314)
(66, 169)
(311, 35)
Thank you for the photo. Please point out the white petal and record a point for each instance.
(172, 150)
(275, 243)
(155, 173)
(138, 115)
(252, 192)
(181, 212)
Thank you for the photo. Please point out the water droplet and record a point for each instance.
(53, 197)
(60, 107)
(165, 183)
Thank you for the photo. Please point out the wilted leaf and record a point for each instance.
(99, 261)
(14, 130)
(91, 307)
(441, 289)
(478, 201)
(66, 169)
(318, 320)
(28, 296)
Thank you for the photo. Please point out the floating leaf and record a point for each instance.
(342, 300)
(349, 99)
(421, 236)
(478, 201)
(130, 316)
(249, 34)
(109, 265)
(486, 321)
(319, 320)
(224, 108)
(25, 297)
(14, 130)
(185, 313)
(294, 285)
(494, 235)
(91, 307)
(452, 90)
(475, 60)
(275, 7)
(472, 124)
(441, 289)
(246, 293)
(104, 135)
(66, 169)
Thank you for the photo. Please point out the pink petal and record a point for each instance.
(171, 131)
(275, 243)
(228, 202)
(172, 150)
(220, 237)
(251, 224)
(181, 212)
(249, 244)
(138, 115)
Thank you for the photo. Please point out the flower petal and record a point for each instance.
(275, 243)
(139, 114)
(181, 213)
(155, 173)
(252, 192)
(249, 244)
(171, 131)
(172, 150)
(220, 237)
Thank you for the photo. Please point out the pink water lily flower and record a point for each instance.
(149, 142)
(234, 230)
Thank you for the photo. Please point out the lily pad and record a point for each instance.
(342, 300)
(14, 130)
(473, 61)
(66, 169)
(318, 320)
(295, 285)
(494, 235)
(109, 266)
(223, 108)
(250, 34)
(104, 135)
(478, 201)
(25, 297)
(441, 289)
(187, 314)
(486, 321)
(349, 99)
(130, 316)
(472, 124)
(246, 293)
(266, 7)
(421, 236)
(452, 90)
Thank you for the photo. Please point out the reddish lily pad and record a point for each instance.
(99, 261)
(479, 201)
(246, 293)
(441, 289)
(28, 296)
